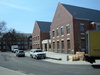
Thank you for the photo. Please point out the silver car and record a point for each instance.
(20, 53)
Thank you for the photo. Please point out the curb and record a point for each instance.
(54, 58)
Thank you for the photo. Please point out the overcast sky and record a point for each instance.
(22, 14)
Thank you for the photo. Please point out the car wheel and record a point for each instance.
(16, 55)
(36, 57)
(31, 56)
(44, 57)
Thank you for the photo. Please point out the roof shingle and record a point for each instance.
(44, 26)
(83, 13)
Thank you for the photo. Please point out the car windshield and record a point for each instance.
(21, 51)
(15, 48)
(38, 50)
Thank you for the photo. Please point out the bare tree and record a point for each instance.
(13, 37)
(2, 26)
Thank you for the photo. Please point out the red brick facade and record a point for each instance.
(38, 36)
(72, 42)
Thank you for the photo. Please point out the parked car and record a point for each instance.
(20, 53)
(37, 53)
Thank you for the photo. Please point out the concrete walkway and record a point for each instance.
(5, 71)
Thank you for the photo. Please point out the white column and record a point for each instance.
(43, 46)
(48, 45)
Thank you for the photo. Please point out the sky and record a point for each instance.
(22, 14)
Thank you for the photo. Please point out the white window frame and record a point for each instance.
(67, 45)
(80, 29)
(58, 32)
(61, 31)
(97, 26)
(0, 47)
(54, 33)
(66, 29)
(81, 43)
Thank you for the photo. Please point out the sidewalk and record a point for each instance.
(60, 58)
(5, 71)
(53, 55)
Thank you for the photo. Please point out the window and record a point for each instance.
(18, 42)
(68, 29)
(53, 46)
(4, 42)
(0, 47)
(83, 44)
(25, 42)
(30, 38)
(58, 47)
(82, 28)
(98, 27)
(62, 31)
(0, 42)
(33, 39)
(62, 43)
(30, 43)
(49, 46)
(53, 33)
(26, 47)
(68, 46)
(4, 47)
(57, 32)
(38, 37)
(38, 45)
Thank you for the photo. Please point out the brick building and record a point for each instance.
(69, 26)
(30, 42)
(9, 39)
(40, 32)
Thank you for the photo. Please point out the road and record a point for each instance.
(40, 67)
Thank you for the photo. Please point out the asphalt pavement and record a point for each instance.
(31, 66)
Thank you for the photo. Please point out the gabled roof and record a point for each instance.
(44, 26)
(83, 13)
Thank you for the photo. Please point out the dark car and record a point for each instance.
(20, 53)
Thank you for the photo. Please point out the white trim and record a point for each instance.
(92, 22)
(62, 39)
(81, 23)
(68, 34)
(57, 36)
(62, 35)
(82, 37)
(53, 37)
(57, 40)
(53, 40)
(95, 22)
(57, 28)
(53, 29)
(82, 33)
(68, 38)
(67, 25)
(97, 26)
(62, 26)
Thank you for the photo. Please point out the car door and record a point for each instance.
(33, 53)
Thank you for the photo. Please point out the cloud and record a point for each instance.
(16, 6)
